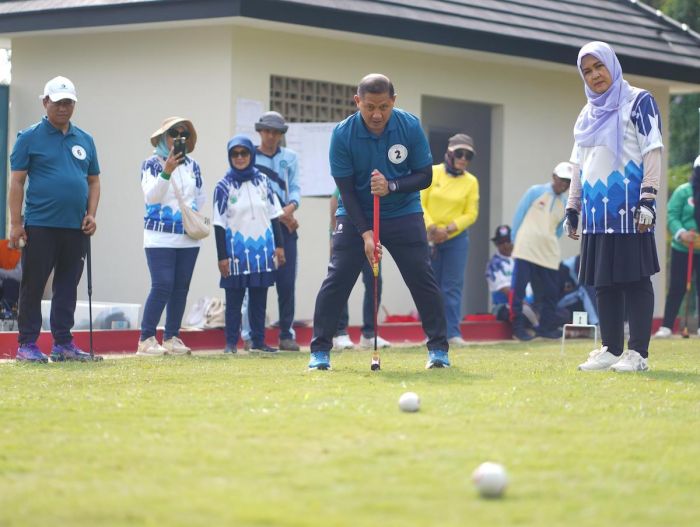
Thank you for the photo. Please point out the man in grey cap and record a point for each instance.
(280, 165)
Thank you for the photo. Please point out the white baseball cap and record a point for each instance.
(59, 88)
(564, 170)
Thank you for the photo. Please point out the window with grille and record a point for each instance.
(309, 101)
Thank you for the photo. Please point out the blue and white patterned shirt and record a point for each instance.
(246, 210)
(610, 190)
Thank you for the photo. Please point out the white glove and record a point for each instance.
(645, 216)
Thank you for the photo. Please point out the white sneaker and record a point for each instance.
(599, 360)
(150, 348)
(368, 342)
(175, 346)
(630, 361)
(343, 342)
(457, 342)
(663, 333)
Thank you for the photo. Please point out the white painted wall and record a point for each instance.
(129, 79)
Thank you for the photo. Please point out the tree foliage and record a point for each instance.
(684, 118)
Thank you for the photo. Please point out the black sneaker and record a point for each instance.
(288, 345)
(262, 348)
(550, 334)
(522, 335)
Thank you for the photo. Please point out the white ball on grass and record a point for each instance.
(409, 402)
(490, 479)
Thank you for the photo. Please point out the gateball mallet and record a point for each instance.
(88, 260)
(376, 361)
(688, 284)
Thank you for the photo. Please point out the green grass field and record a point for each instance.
(213, 440)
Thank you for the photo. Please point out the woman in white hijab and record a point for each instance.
(612, 200)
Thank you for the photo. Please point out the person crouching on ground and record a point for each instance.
(171, 254)
(248, 241)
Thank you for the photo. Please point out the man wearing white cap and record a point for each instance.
(537, 227)
(59, 161)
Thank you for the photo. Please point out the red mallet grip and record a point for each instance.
(375, 231)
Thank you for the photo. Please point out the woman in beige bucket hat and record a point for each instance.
(171, 254)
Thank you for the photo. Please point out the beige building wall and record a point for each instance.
(129, 79)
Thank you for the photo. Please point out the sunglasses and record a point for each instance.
(173, 132)
(467, 154)
(240, 153)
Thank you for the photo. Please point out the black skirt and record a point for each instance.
(608, 259)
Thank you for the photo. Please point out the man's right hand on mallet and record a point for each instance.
(368, 239)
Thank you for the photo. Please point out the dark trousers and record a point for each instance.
(634, 299)
(171, 273)
(676, 289)
(367, 303)
(257, 304)
(9, 293)
(61, 251)
(284, 281)
(405, 239)
(545, 286)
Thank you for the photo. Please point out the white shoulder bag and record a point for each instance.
(196, 224)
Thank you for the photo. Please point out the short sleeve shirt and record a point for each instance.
(57, 166)
(401, 148)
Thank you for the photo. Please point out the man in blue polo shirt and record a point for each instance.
(379, 150)
(59, 161)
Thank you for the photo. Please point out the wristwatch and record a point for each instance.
(393, 186)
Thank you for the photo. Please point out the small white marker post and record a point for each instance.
(579, 320)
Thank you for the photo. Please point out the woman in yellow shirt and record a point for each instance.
(450, 207)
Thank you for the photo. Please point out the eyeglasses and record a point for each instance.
(464, 153)
(174, 132)
(240, 153)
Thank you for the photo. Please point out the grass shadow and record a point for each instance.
(450, 376)
(673, 376)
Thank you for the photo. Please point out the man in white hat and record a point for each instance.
(537, 227)
(59, 161)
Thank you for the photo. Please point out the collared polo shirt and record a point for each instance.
(282, 169)
(401, 148)
(57, 167)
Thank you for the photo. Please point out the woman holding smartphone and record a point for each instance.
(170, 252)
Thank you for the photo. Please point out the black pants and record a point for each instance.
(545, 286)
(405, 239)
(367, 304)
(61, 251)
(286, 276)
(676, 289)
(634, 299)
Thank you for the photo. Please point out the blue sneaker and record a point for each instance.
(70, 352)
(320, 360)
(30, 352)
(437, 359)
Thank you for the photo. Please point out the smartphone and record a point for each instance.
(180, 146)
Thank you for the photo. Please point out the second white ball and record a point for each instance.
(409, 402)
(490, 479)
